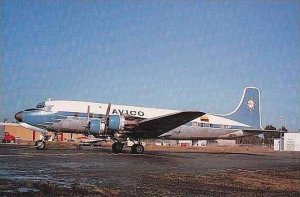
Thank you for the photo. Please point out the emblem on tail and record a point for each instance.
(251, 104)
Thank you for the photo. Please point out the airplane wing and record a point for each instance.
(153, 127)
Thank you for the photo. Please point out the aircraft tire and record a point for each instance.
(137, 149)
(40, 145)
(117, 147)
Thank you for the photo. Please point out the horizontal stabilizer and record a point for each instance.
(262, 130)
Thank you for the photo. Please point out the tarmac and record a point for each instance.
(160, 171)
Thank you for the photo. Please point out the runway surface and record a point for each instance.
(99, 172)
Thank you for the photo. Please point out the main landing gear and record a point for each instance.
(138, 148)
(117, 147)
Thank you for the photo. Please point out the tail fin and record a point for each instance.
(248, 110)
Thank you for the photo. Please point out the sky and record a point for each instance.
(184, 55)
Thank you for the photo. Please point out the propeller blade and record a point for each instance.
(108, 110)
(88, 112)
(106, 118)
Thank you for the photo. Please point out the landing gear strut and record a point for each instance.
(40, 145)
(117, 147)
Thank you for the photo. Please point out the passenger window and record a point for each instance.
(205, 125)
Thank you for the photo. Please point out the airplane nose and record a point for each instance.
(19, 116)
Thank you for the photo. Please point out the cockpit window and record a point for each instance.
(40, 105)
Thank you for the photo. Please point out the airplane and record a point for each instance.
(105, 121)
(122, 122)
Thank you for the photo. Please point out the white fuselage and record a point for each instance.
(204, 127)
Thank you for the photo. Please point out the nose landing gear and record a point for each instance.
(40, 145)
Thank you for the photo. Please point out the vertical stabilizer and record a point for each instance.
(248, 110)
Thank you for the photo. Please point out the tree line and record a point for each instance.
(267, 139)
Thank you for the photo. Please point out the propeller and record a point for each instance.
(87, 126)
(88, 112)
(106, 118)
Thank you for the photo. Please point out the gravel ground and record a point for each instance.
(160, 171)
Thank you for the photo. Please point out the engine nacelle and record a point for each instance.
(121, 123)
(96, 126)
(116, 123)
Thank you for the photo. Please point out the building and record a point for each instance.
(185, 143)
(277, 143)
(291, 142)
(24, 134)
(222, 142)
